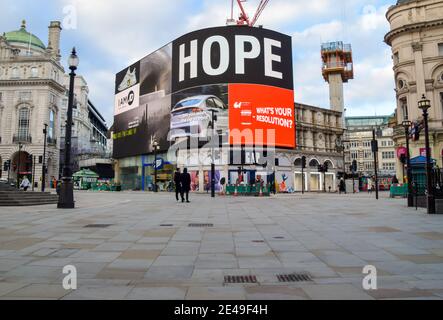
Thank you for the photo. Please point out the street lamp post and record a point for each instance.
(20, 146)
(424, 104)
(407, 126)
(213, 120)
(375, 152)
(45, 131)
(66, 198)
(156, 147)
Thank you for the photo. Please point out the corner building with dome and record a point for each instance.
(31, 92)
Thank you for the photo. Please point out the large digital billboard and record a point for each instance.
(241, 74)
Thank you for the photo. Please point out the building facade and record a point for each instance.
(31, 91)
(416, 38)
(89, 132)
(318, 130)
(358, 137)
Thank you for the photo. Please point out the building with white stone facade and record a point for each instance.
(31, 90)
(358, 137)
(89, 130)
(416, 38)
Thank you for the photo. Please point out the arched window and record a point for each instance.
(23, 123)
(314, 163)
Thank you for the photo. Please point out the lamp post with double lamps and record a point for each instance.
(424, 104)
(407, 126)
(66, 198)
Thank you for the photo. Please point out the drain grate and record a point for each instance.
(201, 225)
(98, 226)
(258, 241)
(294, 277)
(240, 279)
(166, 225)
(279, 238)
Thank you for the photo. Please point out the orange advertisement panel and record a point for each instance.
(261, 115)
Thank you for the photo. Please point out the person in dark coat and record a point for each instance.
(177, 182)
(185, 180)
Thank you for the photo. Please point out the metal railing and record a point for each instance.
(22, 138)
(51, 141)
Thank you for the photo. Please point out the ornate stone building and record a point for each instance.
(416, 38)
(31, 89)
(318, 130)
(358, 146)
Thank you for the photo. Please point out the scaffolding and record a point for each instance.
(337, 58)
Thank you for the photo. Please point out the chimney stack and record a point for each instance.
(54, 39)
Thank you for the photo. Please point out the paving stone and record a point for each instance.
(157, 293)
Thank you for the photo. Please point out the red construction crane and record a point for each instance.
(243, 19)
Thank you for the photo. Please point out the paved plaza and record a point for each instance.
(141, 246)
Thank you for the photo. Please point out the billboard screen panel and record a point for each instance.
(244, 75)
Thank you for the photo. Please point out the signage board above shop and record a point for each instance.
(243, 75)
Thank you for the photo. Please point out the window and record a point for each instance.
(388, 155)
(401, 84)
(388, 166)
(354, 155)
(15, 73)
(369, 155)
(1, 96)
(53, 99)
(404, 108)
(441, 99)
(396, 58)
(440, 49)
(34, 72)
(23, 123)
(51, 128)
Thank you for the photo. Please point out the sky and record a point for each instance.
(109, 35)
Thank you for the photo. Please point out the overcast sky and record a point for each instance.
(111, 34)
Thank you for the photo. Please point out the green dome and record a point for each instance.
(23, 36)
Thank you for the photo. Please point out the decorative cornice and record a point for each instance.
(34, 82)
(411, 27)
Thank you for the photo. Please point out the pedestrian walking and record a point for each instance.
(25, 184)
(177, 182)
(185, 180)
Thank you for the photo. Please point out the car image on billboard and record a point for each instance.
(191, 117)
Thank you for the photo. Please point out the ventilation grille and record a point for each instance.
(201, 225)
(240, 279)
(294, 278)
(98, 226)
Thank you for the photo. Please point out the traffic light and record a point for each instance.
(5, 166)
(403, 159)
(354, 166)
(303, 162)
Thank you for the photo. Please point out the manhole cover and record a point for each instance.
(240, 279)
(294, 278)
(200, 225)
(98, 226)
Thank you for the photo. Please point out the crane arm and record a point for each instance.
(261, 7)
(243, 16)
